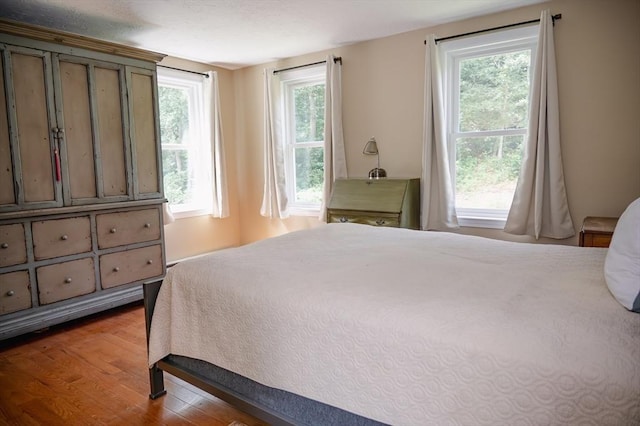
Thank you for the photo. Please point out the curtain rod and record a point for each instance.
(554, 18)
(335, 60)
(179, 69)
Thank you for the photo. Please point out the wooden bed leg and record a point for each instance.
(156, 380)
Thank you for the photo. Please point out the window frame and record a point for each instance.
(291, 80)
(198, 147)
(452, 52)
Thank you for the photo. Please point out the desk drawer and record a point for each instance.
(131, 265)
(61, 237)
(13, 249)
(118, 229)
(65, 280)
(375, 220)
(15, 294)
(596, 240)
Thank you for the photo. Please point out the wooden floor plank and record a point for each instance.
(93, 371)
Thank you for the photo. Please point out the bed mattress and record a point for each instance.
(408, 327)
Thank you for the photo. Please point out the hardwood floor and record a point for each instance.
(93, 371)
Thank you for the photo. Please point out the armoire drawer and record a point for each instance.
(13, 250)
(65, 280)
(121, 228)
(61, 237)
(15, 294)
(131, 265)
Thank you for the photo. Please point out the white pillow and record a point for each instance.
(622, 264)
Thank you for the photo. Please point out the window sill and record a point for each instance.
(481, 222)
(301, 211)
(190, 213)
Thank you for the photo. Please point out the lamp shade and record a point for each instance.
(371, 147)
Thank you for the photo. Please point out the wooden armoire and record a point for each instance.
(80, 176)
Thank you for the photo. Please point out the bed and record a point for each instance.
(351, 324)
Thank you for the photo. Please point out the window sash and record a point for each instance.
(199, 169)
(452, 55)
(290, 82)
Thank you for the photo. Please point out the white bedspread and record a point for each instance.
(411, 327)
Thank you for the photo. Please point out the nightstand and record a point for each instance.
(377, 202)
(597, 231)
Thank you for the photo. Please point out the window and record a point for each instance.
(486, 83)
(185, 148)
(303, 94)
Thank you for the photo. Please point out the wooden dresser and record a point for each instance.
(80, 177)
(597, 231)
(378, 202)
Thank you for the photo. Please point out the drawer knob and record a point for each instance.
(343, 219)
(4, 245)
(147, 225)
(116, 269)
(149, 262)
(380, 222)
(112, 230)
(11, 293)
(67, 280)
(64, 238)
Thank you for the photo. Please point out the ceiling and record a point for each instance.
(237, 33)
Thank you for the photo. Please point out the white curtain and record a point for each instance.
(274, 199)
(335, 164)
(213, 126)
(438, 201)
(539, 205)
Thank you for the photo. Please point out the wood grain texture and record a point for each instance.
(7, 193)
(94, 372)
(76, 40)
(109, 110)
(78, 134)
(33, 127)
(597, 231)
(144, 133)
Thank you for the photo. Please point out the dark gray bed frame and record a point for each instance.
(274, 406)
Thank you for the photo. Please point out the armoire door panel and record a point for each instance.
(78, 134)
(7, 192)
(111, 131)
(33, 127)
(144, 133)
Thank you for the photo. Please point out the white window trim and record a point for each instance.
(289, 81)
(193, 83)
(451, 53)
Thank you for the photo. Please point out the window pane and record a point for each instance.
(174, 115)
(175, 170)
(309, 112)
(309, 174)
(487, 171)
(494, 92)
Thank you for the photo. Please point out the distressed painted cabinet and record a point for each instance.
(80, 176)
(377, 202)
